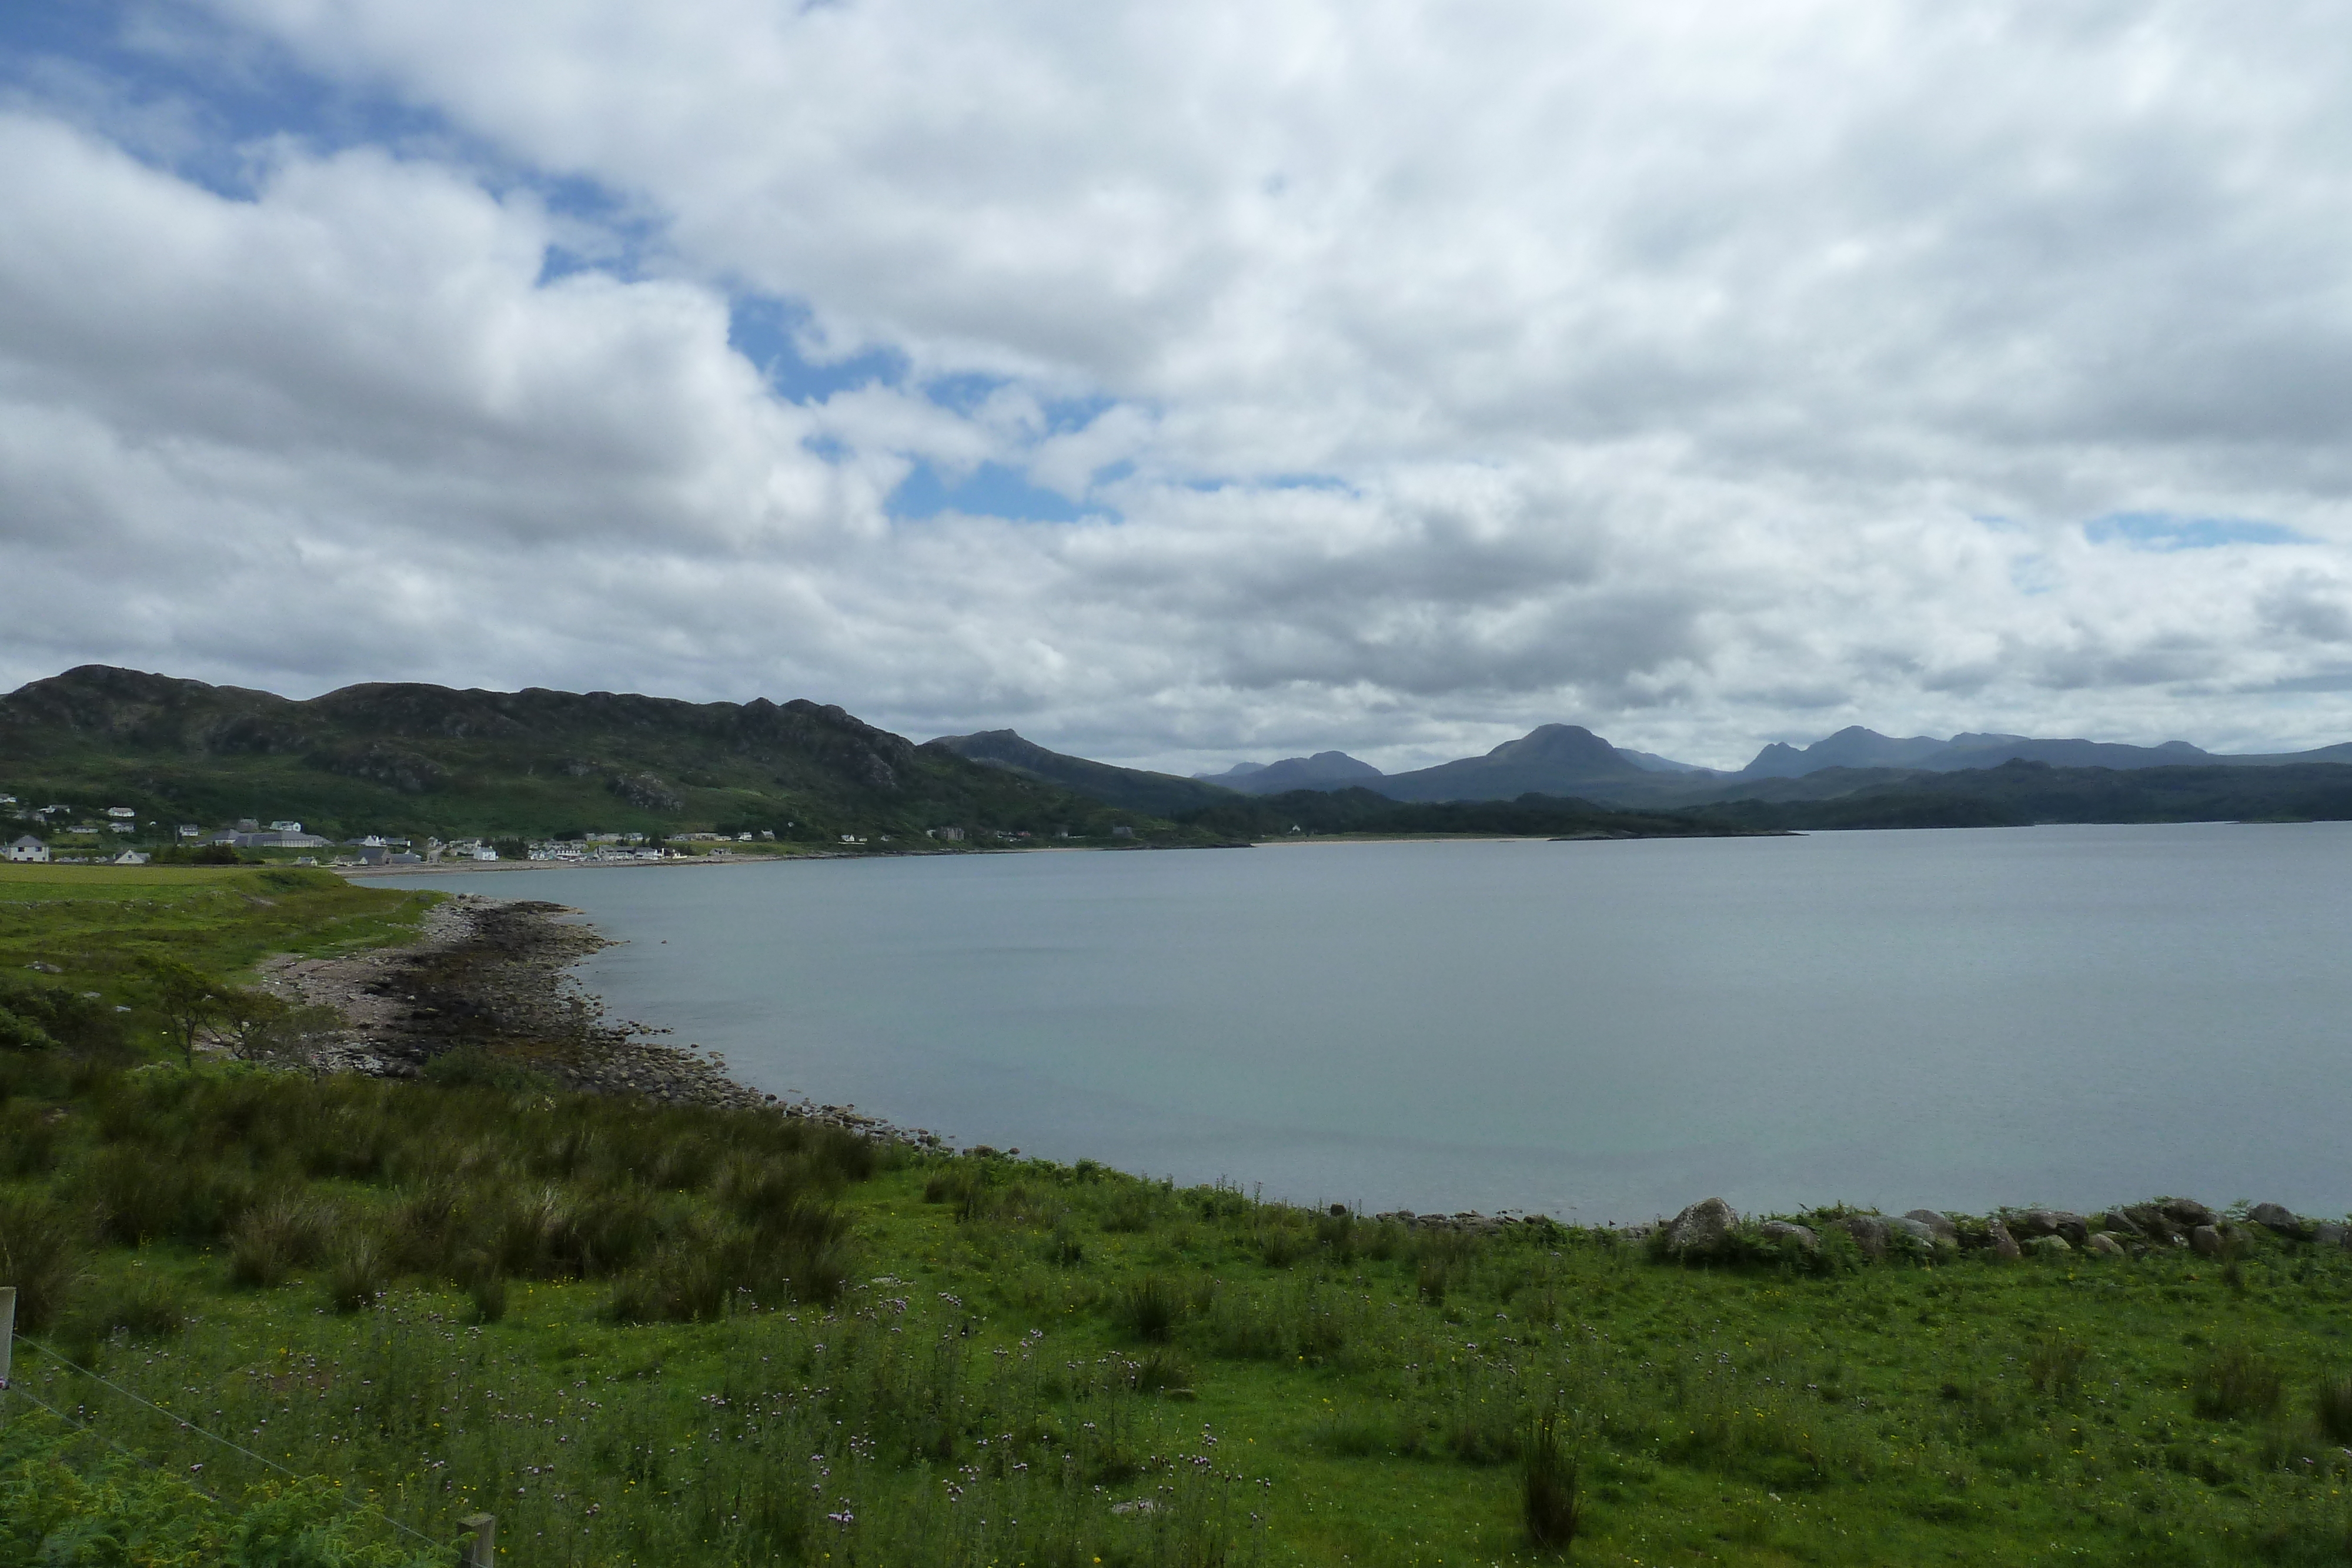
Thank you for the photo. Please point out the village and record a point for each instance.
(61, 834)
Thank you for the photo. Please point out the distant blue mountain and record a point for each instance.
(1324, 770)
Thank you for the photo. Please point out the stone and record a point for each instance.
(1700, 1231)
(2185, 1212)
(2150, 1220)
(2052, 1222)
(2051, 1246)
(2004, 1246)
(2279, 1220)
(1918, 1230)
(2205, 1240)
(1778, 1231)
(1941, 1224)
(1869, 1232)
(2103, 1244)
(2328, 1233)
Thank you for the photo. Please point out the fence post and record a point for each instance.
(7, 1332)
(482, 1551)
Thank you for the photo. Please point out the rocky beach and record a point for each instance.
(492, 975)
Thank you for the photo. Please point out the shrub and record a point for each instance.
(1280, 1246)
(2234, 1382)
(1064, 1246)
(41, 1255)
(1550, 1507)
(1148, 1308)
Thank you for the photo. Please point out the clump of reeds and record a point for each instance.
(2234, 1382)
(1549, 1505)
(276, 1238)
(1150, 1306)
(2332, 1406)
(41, 1254)
(356, 1274)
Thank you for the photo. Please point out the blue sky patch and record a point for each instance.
(992, 490)
(2163, 531)
(766, 332)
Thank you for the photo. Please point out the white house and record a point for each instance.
(28, 848)
(130, 857)
(122, 813)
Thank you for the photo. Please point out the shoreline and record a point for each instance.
(495, 975)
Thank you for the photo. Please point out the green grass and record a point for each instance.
(720, 1331)
(93, 924)
(653, 1335)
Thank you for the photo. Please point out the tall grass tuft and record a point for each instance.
(356, 1274)
(1148, 1308)
(1550, 1504)
(2235, 1381)
(2333, 1407)
(41, 1255)
(282, 1235)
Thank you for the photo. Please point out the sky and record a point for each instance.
(1186, 384)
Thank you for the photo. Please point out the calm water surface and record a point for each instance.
(1596, 1031)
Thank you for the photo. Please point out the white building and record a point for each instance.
(28, 848)
(130, 857)
(122, 813)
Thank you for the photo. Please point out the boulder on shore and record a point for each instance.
(2051, 1246)
(2004, 1246)
(1782, 1230)
(2103, 1244)
(1939, 1224)
(2186, 1212)
(1701, 1231)
(2330, 1233)
(2206, 1241)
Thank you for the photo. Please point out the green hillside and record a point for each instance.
(414, 759)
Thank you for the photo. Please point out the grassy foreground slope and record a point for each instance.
(655, 1335)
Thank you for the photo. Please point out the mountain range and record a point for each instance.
(1561, 759)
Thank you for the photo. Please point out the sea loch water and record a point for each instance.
(1601, 1031)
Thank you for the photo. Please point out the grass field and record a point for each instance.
(653, 1335)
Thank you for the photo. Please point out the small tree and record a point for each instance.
(187, 998)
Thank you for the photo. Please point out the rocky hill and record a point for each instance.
(426, 758)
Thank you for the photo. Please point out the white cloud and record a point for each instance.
(1442, 371)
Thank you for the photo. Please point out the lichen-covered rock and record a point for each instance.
(1781, 1230)
(1939, 1224)
(2103, 1244)
(2279, 1220)
(1869, 1232)
(2329, 1233)
(2053, 1246)
(2153, 1224)
(2206, 1241)
(2004, 1246)
(1701, 1231)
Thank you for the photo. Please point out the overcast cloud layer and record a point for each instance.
(1178, 385)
